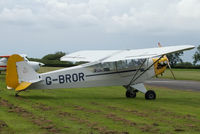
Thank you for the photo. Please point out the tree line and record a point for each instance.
(176, 61)
(53, 60)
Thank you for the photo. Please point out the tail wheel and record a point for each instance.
(130, 94)
(150, 95)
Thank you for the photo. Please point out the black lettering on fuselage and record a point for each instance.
(75, 77)
(61, 79)
(81, 76)
(68, 78)
(48, 80)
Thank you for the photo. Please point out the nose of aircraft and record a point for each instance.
(161, 65)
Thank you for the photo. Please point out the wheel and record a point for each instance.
(150, 95)
(130, 94)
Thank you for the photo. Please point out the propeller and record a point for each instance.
(159, 45)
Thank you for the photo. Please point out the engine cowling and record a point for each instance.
(160, 65)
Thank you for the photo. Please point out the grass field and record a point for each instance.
(98, 110)
(183, 74)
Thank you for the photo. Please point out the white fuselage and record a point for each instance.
(87, 75)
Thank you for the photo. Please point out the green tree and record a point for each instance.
(174, 58)
(53, 60)
(196, 56)
(184, 65)
(55, 56)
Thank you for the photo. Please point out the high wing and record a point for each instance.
(117, 55)
(89, 56)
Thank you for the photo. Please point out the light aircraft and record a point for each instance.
(3, 63)
(128, 68)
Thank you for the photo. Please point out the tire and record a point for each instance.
(130, 94)
(150, 95)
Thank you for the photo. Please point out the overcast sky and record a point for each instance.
(40, 27)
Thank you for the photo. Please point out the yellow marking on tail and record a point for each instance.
(23, 86)
(11, 72)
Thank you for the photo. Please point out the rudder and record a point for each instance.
(11, 72)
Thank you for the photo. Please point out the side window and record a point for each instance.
(119, 65)
(105, 67)
(129, 64)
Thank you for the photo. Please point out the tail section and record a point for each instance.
(20, 75)
(11, 73)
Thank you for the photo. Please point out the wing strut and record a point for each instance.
(143, 71)
(137, 72)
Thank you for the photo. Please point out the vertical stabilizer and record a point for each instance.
(20, 74)
(11, 72)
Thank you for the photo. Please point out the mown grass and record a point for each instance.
(183, 74)
(98, 110)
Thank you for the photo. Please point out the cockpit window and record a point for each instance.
(129, 64)
(119, 65)
(103, 67)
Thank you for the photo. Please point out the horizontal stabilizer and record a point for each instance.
(22, 86)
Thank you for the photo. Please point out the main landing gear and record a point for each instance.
(131, 94)
(131, 91)
(150, 95)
